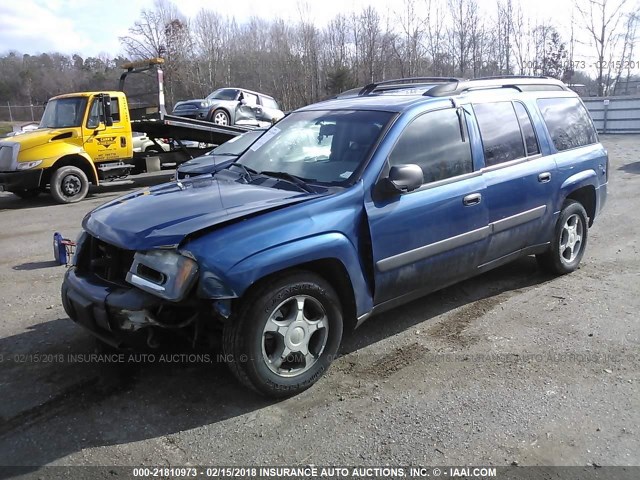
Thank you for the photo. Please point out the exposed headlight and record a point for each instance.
(204, 104)
(164, 273)
(28, 165)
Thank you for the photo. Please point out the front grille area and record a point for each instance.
(6, 158)
(106, 261)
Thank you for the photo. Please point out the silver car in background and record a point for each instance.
(232, 106)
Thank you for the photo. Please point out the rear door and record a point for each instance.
(520, 182)
(434, 235)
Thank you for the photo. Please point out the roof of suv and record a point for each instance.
(399, 95)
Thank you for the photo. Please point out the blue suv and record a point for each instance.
(345, 208)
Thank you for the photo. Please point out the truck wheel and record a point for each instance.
(69, 184)
(285, 335)
(220, 117)
(569, 240)
(27, 193)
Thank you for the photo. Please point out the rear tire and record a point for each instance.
(569, 240)
(285, 335)
(69, 184)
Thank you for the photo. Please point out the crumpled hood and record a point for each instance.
(165, 214)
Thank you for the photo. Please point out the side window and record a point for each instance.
(434, 142)
(269, 103)
(115, 109)
(95, 113)
(93, 120)
(528, 133)
(500, 132)
(250, 98)
(568, 122)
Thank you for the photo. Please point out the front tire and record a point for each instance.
(285, 335)
(69, 184)
(569, 240)
(220, 117)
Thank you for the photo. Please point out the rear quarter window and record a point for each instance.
(568, 122)
(270, 103)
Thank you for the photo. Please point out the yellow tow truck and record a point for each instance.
(86, 138)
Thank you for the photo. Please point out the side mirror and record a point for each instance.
(106, 109)
(106, 105)
(242, 101)
(404, 178)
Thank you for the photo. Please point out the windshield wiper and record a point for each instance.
(246, 170)
(290, 178)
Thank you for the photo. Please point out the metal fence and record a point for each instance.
(614, 114)
(20, 113)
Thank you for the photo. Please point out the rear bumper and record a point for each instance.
(20, 180)
(106, 310)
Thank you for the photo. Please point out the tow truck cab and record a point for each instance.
(79, 136)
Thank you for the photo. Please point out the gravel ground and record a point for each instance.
(512, 366)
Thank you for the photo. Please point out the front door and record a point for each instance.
(433, 236)
(104, 143)
(246, 111)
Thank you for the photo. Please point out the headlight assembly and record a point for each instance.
(28, 165)
(164, 273)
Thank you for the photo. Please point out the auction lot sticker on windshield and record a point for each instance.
(264, 138)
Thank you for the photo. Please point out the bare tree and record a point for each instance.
(462, 13)
(626, 58)
(435, 35)
(409, 51)
(601, 21)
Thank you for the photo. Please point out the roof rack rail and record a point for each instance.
(367, 89)
(519, 82)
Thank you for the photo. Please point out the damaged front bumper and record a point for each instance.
(118, 315)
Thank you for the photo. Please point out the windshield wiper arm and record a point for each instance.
(246, 170)
(290, 178)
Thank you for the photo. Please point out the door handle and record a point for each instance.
(472, 199)
(544, 177)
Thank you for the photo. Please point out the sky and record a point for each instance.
(93, 27)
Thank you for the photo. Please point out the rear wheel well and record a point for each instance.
(75, 161)
(586, 196)
(335, 273)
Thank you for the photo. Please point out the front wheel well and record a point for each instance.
(586, 196)
(215, 109)
(75, 161)
(334, 272)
